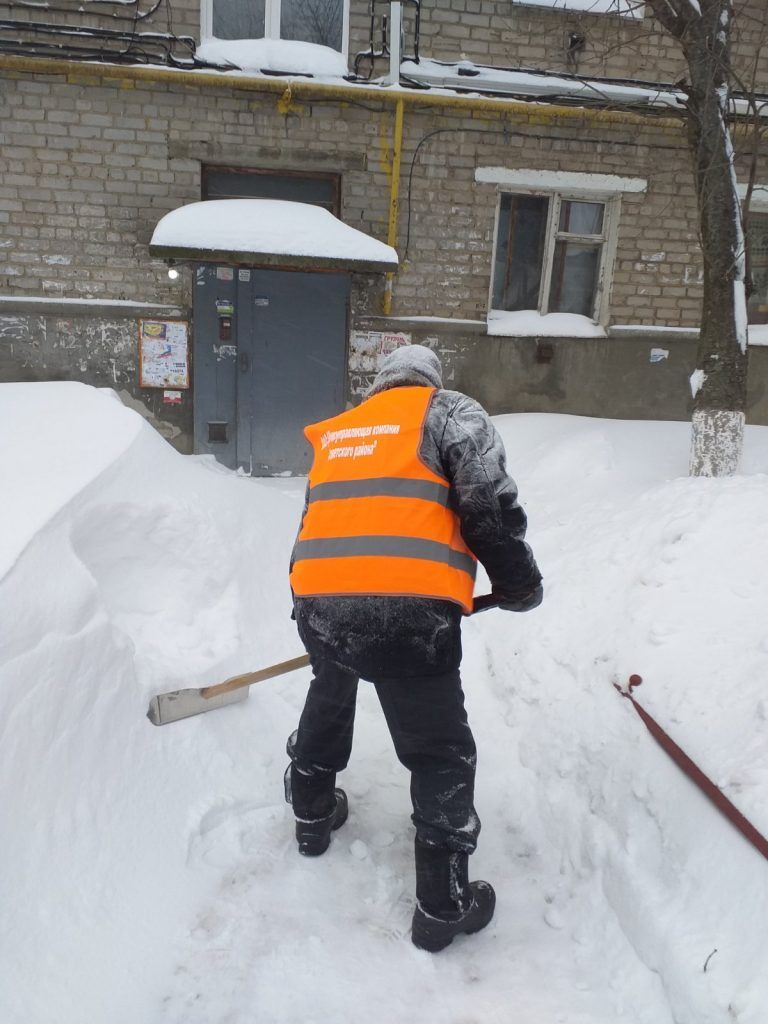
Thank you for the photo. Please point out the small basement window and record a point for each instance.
(311, 21)
(551, 254)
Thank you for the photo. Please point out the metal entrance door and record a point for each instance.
(270, 357)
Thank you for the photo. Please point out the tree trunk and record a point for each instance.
(719, 384)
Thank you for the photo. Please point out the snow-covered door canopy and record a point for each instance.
(268, 233)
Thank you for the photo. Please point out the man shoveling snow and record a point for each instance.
(406, 493)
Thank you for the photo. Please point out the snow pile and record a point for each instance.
(38, 483)
(287, 55)
(150, 874)
(529, 323)
(273, 226)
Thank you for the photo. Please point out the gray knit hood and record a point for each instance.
(408, 366)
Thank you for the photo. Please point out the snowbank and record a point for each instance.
(143, 571)
(58, 450)
(150, 874)
(287, 55)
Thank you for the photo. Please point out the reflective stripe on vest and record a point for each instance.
(378, 520)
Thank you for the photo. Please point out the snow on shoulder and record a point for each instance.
(286, 55)
(67, 453)
(271, 227)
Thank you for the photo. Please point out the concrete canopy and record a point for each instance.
(267, 233)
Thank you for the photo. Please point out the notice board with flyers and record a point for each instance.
(164, 354)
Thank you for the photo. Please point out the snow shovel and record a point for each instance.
(178, 704)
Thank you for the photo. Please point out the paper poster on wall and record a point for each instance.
(163, 354)
(368, 347)
(366, 350)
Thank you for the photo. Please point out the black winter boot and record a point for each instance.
(314, 837)
(446, 903)
(318, 806)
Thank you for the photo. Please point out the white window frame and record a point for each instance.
(557, 186)
(758, 204)
(272, 13)
(608, 240)
(633, 9)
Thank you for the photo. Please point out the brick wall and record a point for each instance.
(89, 167)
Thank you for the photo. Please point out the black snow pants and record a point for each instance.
(432, 739)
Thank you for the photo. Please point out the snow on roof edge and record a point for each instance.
(267, 228)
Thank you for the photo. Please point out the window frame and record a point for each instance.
(608, 240)
(272, 18)
(629, 10)
(758, 205)
(759, 209)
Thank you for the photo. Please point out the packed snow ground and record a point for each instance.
(149, 874)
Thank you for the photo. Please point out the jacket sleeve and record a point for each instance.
(301, 524)
(484, 497)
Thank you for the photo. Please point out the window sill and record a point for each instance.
(528, 323)
(288, 56)
(598, 8)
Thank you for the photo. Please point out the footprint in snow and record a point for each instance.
(226, 833)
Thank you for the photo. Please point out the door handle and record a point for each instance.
(245, 362)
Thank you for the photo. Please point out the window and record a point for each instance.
(310, 21)
(624, 8)
(758, 256)
(551, 254)
(296, 186)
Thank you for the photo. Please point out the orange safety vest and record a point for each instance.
(378, 520)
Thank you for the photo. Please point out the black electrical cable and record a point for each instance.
(113, 16)
(140, 47)
(507, 133)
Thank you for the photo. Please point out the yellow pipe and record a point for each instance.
(80, 72)
(394, 200)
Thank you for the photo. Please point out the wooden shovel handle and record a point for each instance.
(236, 682)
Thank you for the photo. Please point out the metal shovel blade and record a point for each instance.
(172, 707)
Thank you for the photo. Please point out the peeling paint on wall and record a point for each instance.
(366, 349)
(96, 350)
(693, 275)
